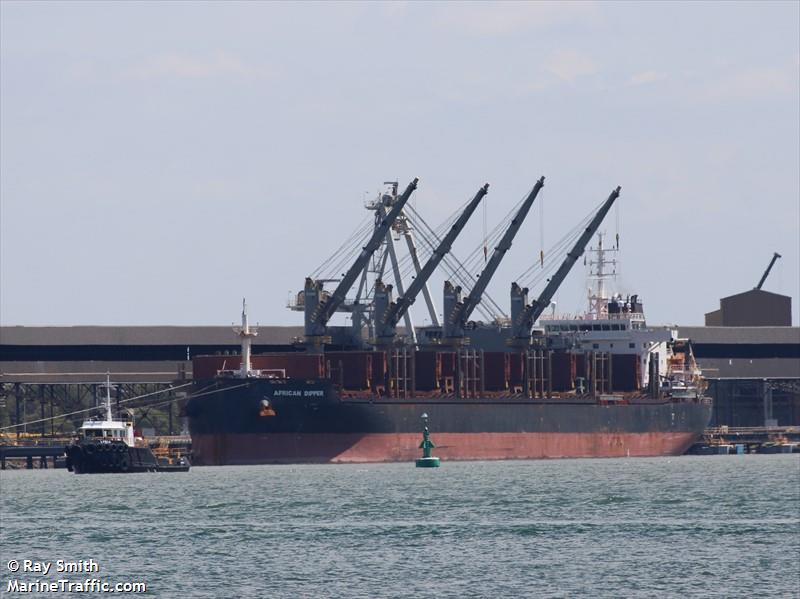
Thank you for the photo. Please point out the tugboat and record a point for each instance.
(110, 446)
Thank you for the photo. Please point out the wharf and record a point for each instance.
(42, 449)
(761, 439)
(29, 452)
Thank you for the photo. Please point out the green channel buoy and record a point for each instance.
(426, 461)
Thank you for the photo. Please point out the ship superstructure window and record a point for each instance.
(632, 345)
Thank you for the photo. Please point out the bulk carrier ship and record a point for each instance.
(602, 384)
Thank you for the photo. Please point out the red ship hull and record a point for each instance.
(217, 449)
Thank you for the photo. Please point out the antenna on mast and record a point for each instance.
(598, 275)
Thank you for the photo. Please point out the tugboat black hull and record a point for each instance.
(114, 457)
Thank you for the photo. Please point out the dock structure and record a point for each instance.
(148, 354)
(753, 374)
(29, 453)
(740, 440)
(755, 435)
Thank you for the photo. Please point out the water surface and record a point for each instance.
(710, 526)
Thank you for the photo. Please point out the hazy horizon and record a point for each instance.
(160, 161)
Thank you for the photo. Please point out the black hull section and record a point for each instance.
(241, 411)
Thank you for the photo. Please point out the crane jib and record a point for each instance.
(473, 299)
(535, 309)
(398, 308)
(338, 296)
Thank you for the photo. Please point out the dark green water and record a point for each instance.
(715, 526)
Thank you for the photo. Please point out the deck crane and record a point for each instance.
(389, 313)
(523, 315)
(456, 311)
(319, 306)
(775, 256)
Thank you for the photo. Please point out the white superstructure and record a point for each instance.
(108, 429)
(616, 324)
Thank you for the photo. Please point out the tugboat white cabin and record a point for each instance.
(109, 429)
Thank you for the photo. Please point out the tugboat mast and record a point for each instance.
(109, 417)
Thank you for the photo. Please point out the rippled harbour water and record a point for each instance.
(712, 526)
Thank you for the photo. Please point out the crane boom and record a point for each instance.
(523, 320)
(775, 256)
(456, 320)
(324, 309)
(387, 314)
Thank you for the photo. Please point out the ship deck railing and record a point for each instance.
(601, 398)
(747, 430)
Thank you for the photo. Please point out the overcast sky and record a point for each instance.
(158, 161)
